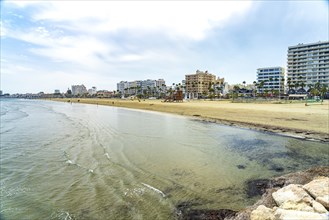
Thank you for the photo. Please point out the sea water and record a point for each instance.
(79, 161)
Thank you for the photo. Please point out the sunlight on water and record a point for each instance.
(63, 161)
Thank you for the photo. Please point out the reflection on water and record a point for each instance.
(63, 161)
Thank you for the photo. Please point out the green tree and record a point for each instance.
(236, 89)
(255, 87)
(323, 90)
(261, 86)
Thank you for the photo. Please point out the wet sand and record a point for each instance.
(293, 119)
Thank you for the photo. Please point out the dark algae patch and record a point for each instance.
(185, 211)
(279, 155)
(241, 167)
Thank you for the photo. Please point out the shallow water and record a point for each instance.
(78, 161)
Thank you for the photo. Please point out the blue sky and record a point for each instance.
(48, 45)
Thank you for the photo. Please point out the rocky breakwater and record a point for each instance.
(295, 196)
(296, 201)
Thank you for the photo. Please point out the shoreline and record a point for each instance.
(286, 132)
(282, 119)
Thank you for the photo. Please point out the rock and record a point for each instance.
(266, 199)
(262, 213)
(300, 206)
(304, 177)
(324, 200)
(318, 187)
(318, 207)
(282, 214)
(293, 197)
(268, 186)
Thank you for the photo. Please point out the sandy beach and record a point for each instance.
(294, 119)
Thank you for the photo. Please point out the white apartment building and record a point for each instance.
(92, 91)
(149, 83)
(78, 89)
(139, 86)
(308, 64)
(121, 86)
(134, 87)
(161, 85)
(272, 78)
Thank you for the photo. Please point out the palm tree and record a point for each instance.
(244, 85)
(255, 89)
(236, 89)
(125, 91)
(289, 83)
(317, 86)
(218, 89)
(148, 90)
(310, 87)
(266, 92)
(211, 91)
(323, 90)
(281, 85)
(261, 85)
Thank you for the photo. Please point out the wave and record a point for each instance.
(70, 162)
(62, 215)
(107, 155)
(154, 189)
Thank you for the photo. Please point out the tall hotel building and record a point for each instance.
(309, 63)
(272, 77)
(198, 83)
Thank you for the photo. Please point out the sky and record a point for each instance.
(48, 45)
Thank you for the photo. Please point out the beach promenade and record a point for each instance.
(293, 119)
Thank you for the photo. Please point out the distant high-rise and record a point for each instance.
(272, 78)
(308, 64)
(78, 89)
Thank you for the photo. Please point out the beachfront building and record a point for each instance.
(200, 84)
(92, 91)
(270, 79)
(308, 64)
(122, 87)
(160, 85)
(133, 87)
(148, 86)
(78, 90)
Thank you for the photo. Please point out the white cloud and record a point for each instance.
(3, 29)
(81, 31)
(190, 19)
